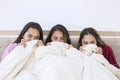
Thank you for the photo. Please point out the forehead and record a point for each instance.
(88, 37)
(33, 31)
(58, 33)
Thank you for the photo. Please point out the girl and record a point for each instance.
(31, 31)
(91, 36)
(58, 33)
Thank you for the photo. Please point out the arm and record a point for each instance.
(109, 55)
(8, 50)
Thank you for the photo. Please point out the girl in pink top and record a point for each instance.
(31, 31)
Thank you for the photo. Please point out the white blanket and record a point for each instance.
(56, 62)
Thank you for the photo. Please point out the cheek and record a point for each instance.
(62, 40)
(26, 38)
(52, 39)
(95, 43)
(83, 44)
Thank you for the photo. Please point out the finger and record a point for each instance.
(70, 46)
(100, 50)
(40, 43)
(23, 41)
(81, 48)
(48, 44)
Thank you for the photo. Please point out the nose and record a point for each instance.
(60, 40)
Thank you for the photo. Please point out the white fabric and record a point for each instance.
(16, 61)
(56, 62)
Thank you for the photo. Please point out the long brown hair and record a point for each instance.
(94, 33)
(26, 27)
(62, 29)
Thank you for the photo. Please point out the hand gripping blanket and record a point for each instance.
(100, 58)
(56, 62)
(96, 67)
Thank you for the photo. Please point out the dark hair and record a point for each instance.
(62, 29)
(26, 27)
(94, 33)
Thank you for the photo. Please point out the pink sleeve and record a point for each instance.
(8, 50)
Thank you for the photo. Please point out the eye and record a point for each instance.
(36, 37)
(55, 38)
(62, 39)
(92, 42)
(85, 42)
(30, 35)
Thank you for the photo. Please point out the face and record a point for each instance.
(31, 34)
(88, 39)
(57, 36)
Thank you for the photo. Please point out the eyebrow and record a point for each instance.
(54, 36)
(85, 41)
(32, 35)
(92, 41)
(37, 36)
